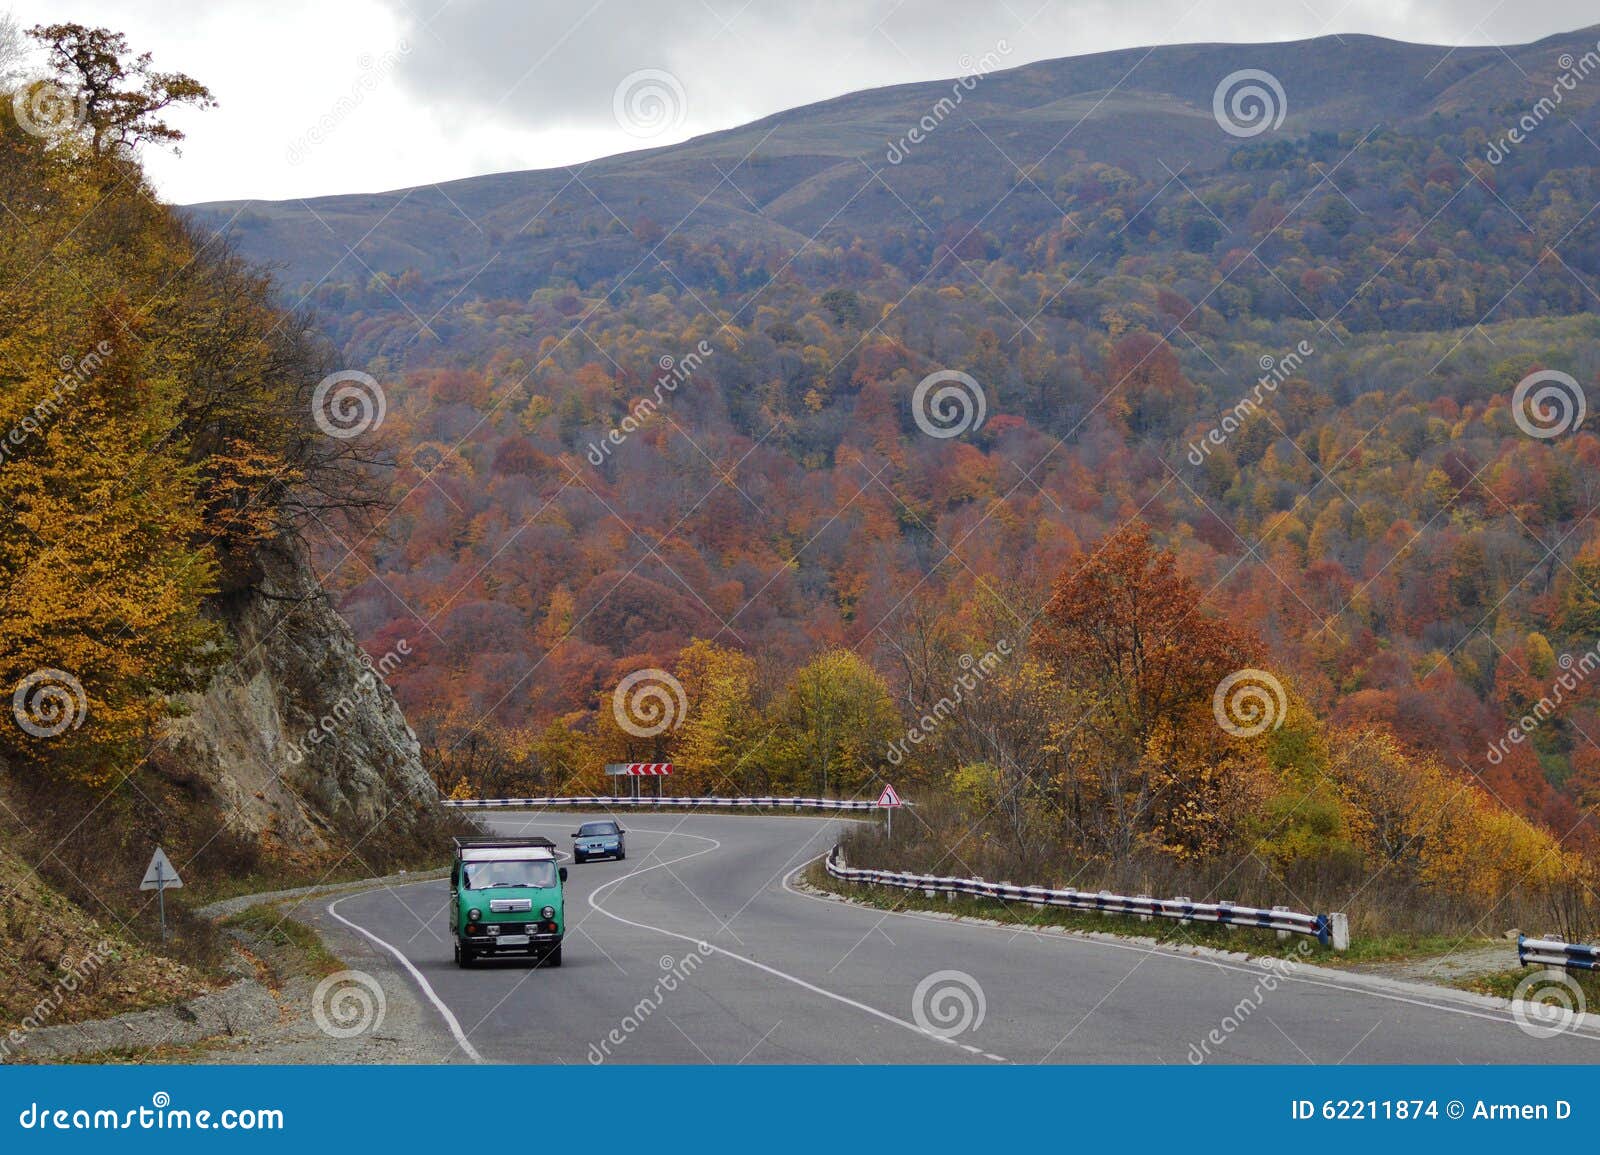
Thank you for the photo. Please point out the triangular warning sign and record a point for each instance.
(889, 797)
(160, 873)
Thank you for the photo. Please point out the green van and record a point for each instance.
(506, 899)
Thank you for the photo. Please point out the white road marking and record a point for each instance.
(1037, 932)
(1062, 935)
(427, 988)
(594, 903)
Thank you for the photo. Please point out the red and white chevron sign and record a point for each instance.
(639, 769)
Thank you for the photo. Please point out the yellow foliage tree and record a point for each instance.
(833, 726)
(717, 749)
(103, 567)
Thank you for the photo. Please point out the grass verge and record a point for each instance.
(1541, 988)
(1265, 943)
(287, 947)
(291, 878)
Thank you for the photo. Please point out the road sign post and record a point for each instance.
(638, 770)
(159, 875)
(889, 802)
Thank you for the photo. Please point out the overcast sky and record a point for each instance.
(326, 96)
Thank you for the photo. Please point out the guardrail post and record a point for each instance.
(1222, 905)
(1185, 920)
(1282, 934)
(1144, 917)
(1339, 931)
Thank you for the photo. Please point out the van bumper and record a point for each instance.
(512, 944)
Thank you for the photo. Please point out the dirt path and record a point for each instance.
(1449, 969)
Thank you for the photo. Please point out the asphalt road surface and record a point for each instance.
(787, 977)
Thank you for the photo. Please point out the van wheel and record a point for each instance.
(553, 958)
(465, 955)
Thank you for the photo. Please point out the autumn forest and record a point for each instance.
(1141, 527)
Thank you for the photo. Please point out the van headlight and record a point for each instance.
(548, 912)
(474, 915)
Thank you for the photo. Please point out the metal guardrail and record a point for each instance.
(1329, 929)
(1553, 952)
(646, 802)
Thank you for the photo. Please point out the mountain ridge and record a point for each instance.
(449, 227)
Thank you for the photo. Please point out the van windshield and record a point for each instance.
(530, 873)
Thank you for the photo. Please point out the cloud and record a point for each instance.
(556, 67)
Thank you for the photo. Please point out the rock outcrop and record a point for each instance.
(298, 734)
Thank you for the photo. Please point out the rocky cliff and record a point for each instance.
(294, 762)
(298, 734)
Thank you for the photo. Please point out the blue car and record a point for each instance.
(599, 840)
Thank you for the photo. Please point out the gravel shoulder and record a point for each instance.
(1453, 969)
(338, 1001)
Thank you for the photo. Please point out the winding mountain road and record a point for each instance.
(790, 977)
